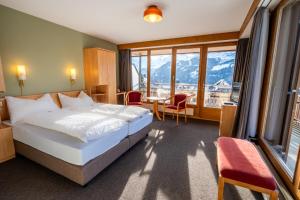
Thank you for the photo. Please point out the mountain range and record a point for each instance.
(220, 65)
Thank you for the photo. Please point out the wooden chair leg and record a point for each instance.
(274, 195)
(177, 119)
(173, 115)
(220, 188)
(185, 115)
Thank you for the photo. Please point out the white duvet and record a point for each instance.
(85, 126)
(127, 113)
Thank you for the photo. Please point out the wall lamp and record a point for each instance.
(21, 75)
(73, 75)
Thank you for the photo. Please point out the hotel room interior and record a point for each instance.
(139, 99)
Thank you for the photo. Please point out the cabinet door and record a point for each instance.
(103, 68)
(111, 68)
(107, 72)
(90, 68)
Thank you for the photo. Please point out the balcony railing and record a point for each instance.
(213, 97)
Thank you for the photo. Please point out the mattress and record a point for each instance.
(65, 147)
(134, 126)
(140, 123)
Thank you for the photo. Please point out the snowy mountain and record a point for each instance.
(219, 66)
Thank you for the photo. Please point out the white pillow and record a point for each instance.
(86, 99)
(19, 108)
(83, 100)
(69, 102)
(47, 103)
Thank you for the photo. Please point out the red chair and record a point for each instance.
(179, 104)
(134, 98)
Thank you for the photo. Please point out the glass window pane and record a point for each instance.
(139, 73)
(187, 72)
(282, 127)
(219, 74)
(160, 76)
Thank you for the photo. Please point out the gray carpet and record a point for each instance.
(172, 163)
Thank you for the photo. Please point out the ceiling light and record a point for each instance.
(152, 14)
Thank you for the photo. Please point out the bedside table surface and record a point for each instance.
(4, 126)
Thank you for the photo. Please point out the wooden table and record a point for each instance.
(155, 104)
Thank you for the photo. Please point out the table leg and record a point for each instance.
(155, 109)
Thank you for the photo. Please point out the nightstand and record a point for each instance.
(7, 149)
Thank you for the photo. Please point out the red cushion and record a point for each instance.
(239, 160)
(178, 98)
(134, 103)
(134, 96)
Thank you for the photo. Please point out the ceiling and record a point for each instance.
(121, 21)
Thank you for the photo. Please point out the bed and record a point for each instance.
(137, 119)
(68, 156)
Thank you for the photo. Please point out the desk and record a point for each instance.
(155, 104)
(227, 119)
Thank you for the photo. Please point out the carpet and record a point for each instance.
(171, 163)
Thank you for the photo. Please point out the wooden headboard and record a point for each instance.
(4, 111)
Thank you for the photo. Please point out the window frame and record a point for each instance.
(215, 51)
(140, 58)
(149, 69)
(200, 111)
(293, 183)
(173, 75)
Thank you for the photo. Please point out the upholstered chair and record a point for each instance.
(134, 98)
(178, 104)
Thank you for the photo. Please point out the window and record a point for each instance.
(219, 74)
(139, 72)
(160, 76)
(280, 134)
(187, 72)
(155, 74)
(282, 129)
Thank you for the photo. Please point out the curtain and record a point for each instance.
(249, 101)
(125, 83)
(241, 51)
(285, 76)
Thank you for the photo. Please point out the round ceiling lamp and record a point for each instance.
(153, 14)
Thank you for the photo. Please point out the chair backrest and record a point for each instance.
(178, 98)
(134, 96)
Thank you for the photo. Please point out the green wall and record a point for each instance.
(46, 49)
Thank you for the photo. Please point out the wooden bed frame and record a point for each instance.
(79, 174)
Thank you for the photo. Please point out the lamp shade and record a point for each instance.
(21, 72)
(153, 14)
(73, 74)
(2, 83)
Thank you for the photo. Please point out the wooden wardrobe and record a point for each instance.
(100, 69)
